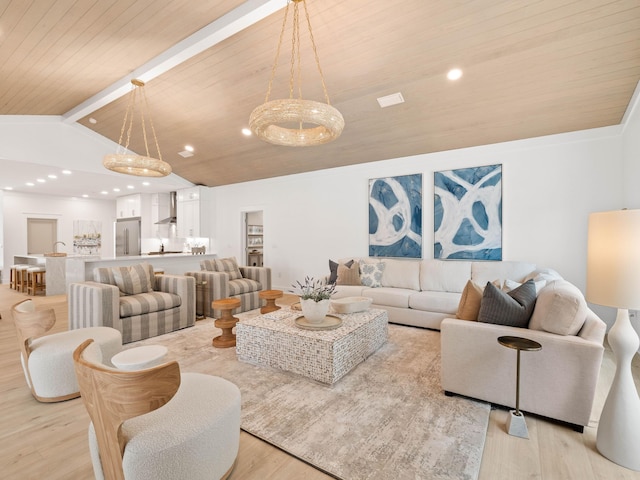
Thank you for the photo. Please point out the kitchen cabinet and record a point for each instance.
(159, 211)
(194, 211)
(254, 245)
(129, 206)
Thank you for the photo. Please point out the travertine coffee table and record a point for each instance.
(273, 340)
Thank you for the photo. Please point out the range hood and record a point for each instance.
(172, 210)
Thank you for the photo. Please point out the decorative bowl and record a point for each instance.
(351, 304)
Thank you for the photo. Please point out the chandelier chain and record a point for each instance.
(315, 53)
(153, 130)
(275, 63)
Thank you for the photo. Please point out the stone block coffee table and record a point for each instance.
(273, 340)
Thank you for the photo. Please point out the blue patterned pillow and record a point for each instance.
(371, 274)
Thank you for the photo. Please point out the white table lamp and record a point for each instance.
(613, 279)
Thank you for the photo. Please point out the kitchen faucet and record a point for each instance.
(55, 248)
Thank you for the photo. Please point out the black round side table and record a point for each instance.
(516, 424)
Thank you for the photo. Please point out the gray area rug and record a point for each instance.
(386, 419)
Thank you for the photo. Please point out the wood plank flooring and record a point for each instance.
(49, 441)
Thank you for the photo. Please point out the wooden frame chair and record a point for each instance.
(47, 360)
(112, 397)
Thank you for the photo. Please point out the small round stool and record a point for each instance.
(270, 296)
(226, 322)
(139, 358)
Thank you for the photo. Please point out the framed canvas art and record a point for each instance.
(395, 216)
(467, 213)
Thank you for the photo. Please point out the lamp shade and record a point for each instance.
(613, 259)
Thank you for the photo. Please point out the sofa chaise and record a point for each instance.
(558, 382)
(134, 301)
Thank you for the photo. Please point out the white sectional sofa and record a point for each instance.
(557, 382)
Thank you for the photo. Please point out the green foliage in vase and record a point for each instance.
(315, 290)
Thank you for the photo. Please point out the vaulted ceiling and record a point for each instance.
(529, 69)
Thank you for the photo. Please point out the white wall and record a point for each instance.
(17, 207)
(550, 185)
(631, 152)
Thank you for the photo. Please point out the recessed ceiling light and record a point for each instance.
(52, 176)
(104, 192)
(66, 172)
(84, 195)
(30, 184)
(8, 188)
(188, 148)
(130, 187)
(92, 121)
(454, 74)
(246, 131)
(40, 180)
(146, 184)
(116, 189)
(389, 100)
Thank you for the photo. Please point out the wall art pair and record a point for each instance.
(467, 215)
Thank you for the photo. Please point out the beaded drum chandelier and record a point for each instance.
(132, 163)
(295, 122)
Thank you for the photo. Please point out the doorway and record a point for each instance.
(254, 238)
(42, 234)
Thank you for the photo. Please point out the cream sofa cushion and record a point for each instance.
(441, 302)
(389, 297)
(444, 275)
(560, 309)
(401, 274)
(483, 272)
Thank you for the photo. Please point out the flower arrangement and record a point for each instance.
(315, 290)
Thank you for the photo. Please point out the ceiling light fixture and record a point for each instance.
(246, 132)
(295, 122)
(454, 74)
(132, 163)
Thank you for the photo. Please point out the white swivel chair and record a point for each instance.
(47, 360)
(155, 424)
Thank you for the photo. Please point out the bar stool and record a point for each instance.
(36, 280)
(21, 277)
(13, 276)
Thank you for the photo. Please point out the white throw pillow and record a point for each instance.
(371, 273)
(401, 274)
(560, 308)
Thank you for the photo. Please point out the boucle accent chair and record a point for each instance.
(157, 424)
(134, 301)
(47, 360)
(225, 279)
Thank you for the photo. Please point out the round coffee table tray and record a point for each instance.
(329, 323)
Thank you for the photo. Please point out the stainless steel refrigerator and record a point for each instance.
(127, 237)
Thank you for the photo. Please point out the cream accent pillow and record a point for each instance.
(560, 309)
(348, 275)
(134, 279)
(470, 300)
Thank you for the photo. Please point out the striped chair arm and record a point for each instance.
(259, 274)
(93, 304)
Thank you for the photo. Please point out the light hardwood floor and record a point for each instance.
(49, 441)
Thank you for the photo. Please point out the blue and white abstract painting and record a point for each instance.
(467, 216)
(395, 216)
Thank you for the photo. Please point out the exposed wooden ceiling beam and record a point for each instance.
(235, 21)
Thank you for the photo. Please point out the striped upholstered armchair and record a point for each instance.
(134, 301)
(223, 278)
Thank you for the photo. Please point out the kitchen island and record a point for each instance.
(62, 271)
(80, 269)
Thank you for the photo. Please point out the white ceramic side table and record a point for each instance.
(139, 358)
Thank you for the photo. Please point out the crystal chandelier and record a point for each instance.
(295, 122)
(132, 163)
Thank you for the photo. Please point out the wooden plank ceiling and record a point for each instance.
(530, 69)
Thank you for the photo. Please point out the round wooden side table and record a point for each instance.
(226, 322)
(270, 296)
(516, 424)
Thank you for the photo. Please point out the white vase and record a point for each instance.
(314, 311)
